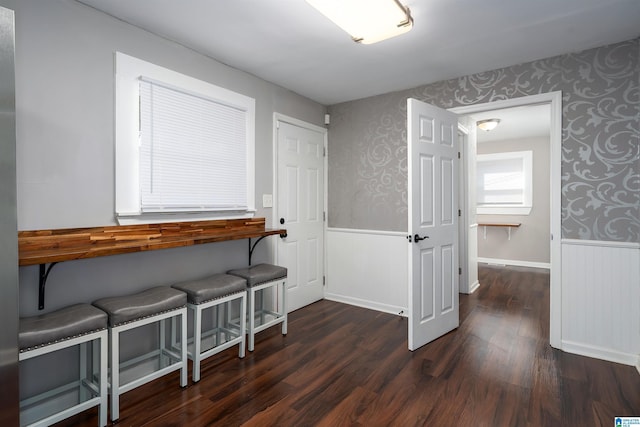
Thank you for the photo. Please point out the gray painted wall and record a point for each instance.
(601, 133)
(529, 242)
(65, 145)
(65, 152)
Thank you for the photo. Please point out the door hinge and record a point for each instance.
(459, 270)
(324, 216)
(324, 280)
(459, 212)
(458, 154)
(324, 151)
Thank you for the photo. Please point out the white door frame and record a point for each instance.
(554, 100)
(278, 117)
(468, 261)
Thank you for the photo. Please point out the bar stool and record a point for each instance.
(79, 325)
(260, 277)
(217, 291)
(155, 305)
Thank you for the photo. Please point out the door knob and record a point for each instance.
(281, 220)
(417, 238)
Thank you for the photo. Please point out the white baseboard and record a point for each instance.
(600, 353)
(474, 287)
(515, 262)
(638, 365)
(385, 308)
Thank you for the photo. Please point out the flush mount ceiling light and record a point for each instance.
(367, 21)
(487, 125)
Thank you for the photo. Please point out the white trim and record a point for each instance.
(602, 243)
(638, 365)
(361, 231)
(474, 287)
(278, 117)
(514, 262)
(503, 210)
(154, 218)
(600, 353)
(128, 70)
(385, 308)
(554, 99)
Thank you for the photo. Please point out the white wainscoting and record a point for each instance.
(601, 300)
(515, 262)
(368, 269)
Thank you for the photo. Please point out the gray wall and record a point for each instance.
(65, 145)
(601, 133)
(529, 242)
(65, 153)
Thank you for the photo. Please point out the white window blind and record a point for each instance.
(501, 182)
(504, 183)
(193, 152)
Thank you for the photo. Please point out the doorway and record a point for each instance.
(512, 187)
(554, 101)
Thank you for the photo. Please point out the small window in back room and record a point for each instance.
(184, 147)
(504, 183)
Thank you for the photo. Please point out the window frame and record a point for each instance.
(128, 71)
(524, 208)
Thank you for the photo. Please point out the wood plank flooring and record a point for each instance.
(347, 366)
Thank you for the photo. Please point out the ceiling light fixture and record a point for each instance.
(367, 21)
(488, 124)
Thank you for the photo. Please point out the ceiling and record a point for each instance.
(289, 43)
(516, 123)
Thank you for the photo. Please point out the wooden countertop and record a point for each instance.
(499, 224)
(47, 246)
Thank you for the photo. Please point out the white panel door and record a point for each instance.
(300, 210)
(433, 222)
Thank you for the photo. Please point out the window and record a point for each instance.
(184, 147)
(504, 183)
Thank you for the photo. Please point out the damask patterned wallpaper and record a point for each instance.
(600, 142)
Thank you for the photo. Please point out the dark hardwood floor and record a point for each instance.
(344, 365)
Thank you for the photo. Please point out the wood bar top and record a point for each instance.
(46, 246)
(499, 224)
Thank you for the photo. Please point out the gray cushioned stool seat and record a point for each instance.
(152, 301)
(212, 287)
(260, 273)
(62, 324)
(260, 277)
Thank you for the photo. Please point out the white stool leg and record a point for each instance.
(162, 336)
(284, 306)
(103, 378)
(83, 370)
(216, 319)
(115, 373)
(197, 341)
(184, 370)
(243, 325)
(252, 318)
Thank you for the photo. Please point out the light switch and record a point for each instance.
(267, 201)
